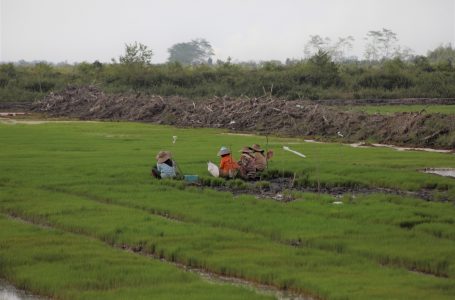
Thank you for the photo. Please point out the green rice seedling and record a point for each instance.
(262, 184)
(212, 181)
(230, 252)
(61, 265)
(237, 184)
(93, 179)
(275, 173)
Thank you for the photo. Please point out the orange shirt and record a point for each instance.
(227, 163)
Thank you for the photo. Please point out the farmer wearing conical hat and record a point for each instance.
(165, 166)
(228, 166)
(259, 157)
(247, 164)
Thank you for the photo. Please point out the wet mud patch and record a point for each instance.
(286, 189)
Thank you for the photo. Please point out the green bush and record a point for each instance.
(386, 81)
(315, 78)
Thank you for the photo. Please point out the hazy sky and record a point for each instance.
(87, 30)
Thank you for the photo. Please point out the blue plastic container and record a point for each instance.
(191, 178)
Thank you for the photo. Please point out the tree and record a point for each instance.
(322, 71)
(40, 71)
(442, 54)
(388, 43)
(422, 63)
(341, 48)
(316, 44)
(136, 53)
(381, 44)
(7, 73)
(336, 50)
(372, 46)
(197, 51)
(404, 53)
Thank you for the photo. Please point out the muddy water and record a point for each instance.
(442, 172)
(9, 292)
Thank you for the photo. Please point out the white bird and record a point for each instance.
(174, 139)
(232, 122)
(340, 134)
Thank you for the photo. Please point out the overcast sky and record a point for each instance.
(89, 30)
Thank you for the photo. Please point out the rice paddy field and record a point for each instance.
(81, 218)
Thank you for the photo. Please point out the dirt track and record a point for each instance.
(402, 101)
(265, 115)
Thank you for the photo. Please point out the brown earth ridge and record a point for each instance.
(263, 115)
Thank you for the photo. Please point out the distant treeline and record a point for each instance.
(315, 78)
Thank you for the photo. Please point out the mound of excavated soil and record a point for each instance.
(263, 115)
(401, 101)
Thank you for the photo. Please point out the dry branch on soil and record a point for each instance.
(263, 115)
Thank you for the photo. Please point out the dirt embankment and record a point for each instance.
(266, 115)
(402, 101)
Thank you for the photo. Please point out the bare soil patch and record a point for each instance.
(283, 189)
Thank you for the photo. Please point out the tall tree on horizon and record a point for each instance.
(337, 50)
(197, 51)
(381, 44)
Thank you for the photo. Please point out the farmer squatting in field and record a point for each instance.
(165, 166)
(252, 161)
(228, 166)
